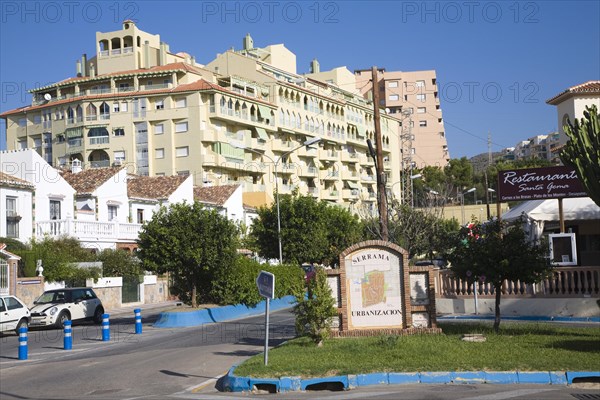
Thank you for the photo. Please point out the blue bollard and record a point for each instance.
(23, 348)
(138, 321)
(68, 340)
(105, 327)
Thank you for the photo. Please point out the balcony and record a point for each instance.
(99, 140)
(330, 175)
(350, 175)
(328, 155)
(350, 157)
(330, 194)
(313, 191)
(88, 230)
(350, 193)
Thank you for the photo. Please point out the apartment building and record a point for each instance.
(242, 118)
(412, 97)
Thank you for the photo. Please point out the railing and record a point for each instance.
(562, 282)
(77, 142)
(83, 230)
(99, 140)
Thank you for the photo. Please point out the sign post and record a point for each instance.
(266, 288)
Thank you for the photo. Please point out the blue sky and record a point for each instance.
(497, 62)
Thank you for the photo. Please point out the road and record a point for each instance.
(185, 363)
(155, 365)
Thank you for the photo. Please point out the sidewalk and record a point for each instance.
(128, 309)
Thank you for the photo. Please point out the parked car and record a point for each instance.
(14, 314)
(54, 307)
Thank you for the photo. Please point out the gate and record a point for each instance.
(131, 289)
(4, 278)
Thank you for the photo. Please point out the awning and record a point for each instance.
(352, 185)
(72, 133)
(265, 112)
(262, 134)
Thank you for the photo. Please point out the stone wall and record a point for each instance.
(110, 296)
(29, 289)
(156, 292)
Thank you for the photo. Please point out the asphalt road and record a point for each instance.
(155, 365)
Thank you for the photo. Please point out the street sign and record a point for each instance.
(266, 284)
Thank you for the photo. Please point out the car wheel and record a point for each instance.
(61, 319)
(23, 323)
(98, 314)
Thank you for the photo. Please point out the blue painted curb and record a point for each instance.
(519, 318)
(219, 314)
(235, 383)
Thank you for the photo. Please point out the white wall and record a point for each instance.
(234, 206)
(113, 191)
(185, 192)
(24, 210)
(49, 184)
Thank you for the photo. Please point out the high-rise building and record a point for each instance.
(243, 118)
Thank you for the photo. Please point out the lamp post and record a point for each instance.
(412, 178)
(489, 192)
(462, 204)
(275, 163)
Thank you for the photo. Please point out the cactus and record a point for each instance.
(582, 151)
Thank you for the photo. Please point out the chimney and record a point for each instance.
(162, 55)
(84, 66)
(248, 43)
(92, 70)
(75, 166)
(146, 54)
(78, 68)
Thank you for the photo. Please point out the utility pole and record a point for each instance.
(381, 197)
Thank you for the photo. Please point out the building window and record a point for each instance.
(160, 104)
(181, 127)
(119, 132)
(124, 106)
(394, 97)
(159, 153)
(22, 144)
(112, 212)
(422, 123)
(22, 122)
(159, 129)
(54, 209)
(182, 151)
(116, 107)
(421, 110)
(393, 84)
(421, 98)
(119, 157)
(181, 103)
(420, 83)
(12, 219)
(140, 215)
(183, 173)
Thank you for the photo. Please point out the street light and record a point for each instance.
(275, 163)
(487, 201)
(412, 178)
(462, 204)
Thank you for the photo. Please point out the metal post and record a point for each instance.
(105, 328)
(138, 320)
(267, 331)
(278, 213)
(68, 339)
(475, 294)
(23, 348)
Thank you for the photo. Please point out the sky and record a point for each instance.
(497, 62)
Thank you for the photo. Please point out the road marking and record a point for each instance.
(509, 395)
(197, 388)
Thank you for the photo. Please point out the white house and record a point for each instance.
(227, 200)
(53, 195)
(16, 203)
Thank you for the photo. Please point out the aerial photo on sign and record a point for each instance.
(539, 184)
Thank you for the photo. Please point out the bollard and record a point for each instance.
(23, 350)
(68, 340)
(138, 321)
(105, 328)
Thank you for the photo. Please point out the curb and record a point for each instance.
(520, 318)
(219, 314)
(233, 383)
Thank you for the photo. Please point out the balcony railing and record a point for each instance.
(99, 140)
(88, 230)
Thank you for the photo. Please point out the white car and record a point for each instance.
(54, 307)
(14, 314)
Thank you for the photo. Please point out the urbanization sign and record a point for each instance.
(539, 184)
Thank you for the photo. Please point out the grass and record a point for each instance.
(524, 347)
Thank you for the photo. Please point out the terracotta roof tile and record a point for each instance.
(589, 87)
(214, 194)
(88, 180)
(153, 187)
(13, 181)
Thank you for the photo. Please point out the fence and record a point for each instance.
(572, 282)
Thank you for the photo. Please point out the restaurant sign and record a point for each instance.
(539, 184)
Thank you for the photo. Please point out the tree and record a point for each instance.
(195, 245)
(582, 151)
(311, 231)
(494, 252)
(315, 309)
(119, 262)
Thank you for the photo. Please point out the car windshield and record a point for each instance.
(51, 297)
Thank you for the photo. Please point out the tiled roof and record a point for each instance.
(88, 180)
(9, 180)
(589, 87)
(214, 194)
(153, 187)
(8, 253)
